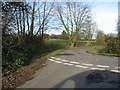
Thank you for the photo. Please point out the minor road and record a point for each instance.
(77, 69)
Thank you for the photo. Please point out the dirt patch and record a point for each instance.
(21, 75)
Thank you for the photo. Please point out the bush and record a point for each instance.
(112, 45)
(100, 40)
(22, 54)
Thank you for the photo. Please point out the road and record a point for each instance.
(77, 69)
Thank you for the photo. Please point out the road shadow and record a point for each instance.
(66, 54)
(91, 79)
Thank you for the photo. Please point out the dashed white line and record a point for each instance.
(51, 60)
(64, 60)
(97, 68)
(104, 66)
(58, 62)
(115, 71)
(81, 66)
(68, 64)
(52, 57)
(117, 67)
(56, 58)
(71, 63)
(87, 64)
(74, 62)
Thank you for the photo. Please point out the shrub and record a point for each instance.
(112, 45)
(22, 54)
(100, 38)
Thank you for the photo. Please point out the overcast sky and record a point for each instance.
(106, 15)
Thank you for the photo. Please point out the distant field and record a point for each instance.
(62, 42)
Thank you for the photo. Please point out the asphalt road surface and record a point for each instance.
(77, 69)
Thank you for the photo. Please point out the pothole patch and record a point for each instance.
(96, 77)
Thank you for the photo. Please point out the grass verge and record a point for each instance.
(95, 51)
(109, 54)
(51, 54)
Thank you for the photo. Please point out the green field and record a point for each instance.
(65, 43)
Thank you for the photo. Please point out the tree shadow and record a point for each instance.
(91, 79)
(66, 54)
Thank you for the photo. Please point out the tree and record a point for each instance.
(73, 16)
(32, 21)
(64, 35)
(7, 17)
(44, 13)
(118, 26)
(100, 38)
(89, 36)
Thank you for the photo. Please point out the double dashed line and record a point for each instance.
(83, 65)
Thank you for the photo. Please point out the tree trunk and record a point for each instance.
(43, 20)
(72, 44)
(17, 24)
(32, 23)
(23, 23)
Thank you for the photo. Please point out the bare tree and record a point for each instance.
(32, 20)
(44, 13)
(118, 26)
(73, 16)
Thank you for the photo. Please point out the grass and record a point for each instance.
(57, 42)
(109, 54)
(95, 50)
(65, 43)
(51, 54)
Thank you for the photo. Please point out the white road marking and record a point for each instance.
(56, 58)
(104, 66)
(97, 68)
(74, 62)
(64, 60)
(68, 64)
(71, 63)
(52, 57)
(115, 71)
(58, 62)
(87, 64)
(81, 66)
(117, 67)
(51, 60)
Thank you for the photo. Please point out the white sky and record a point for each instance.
(106, 15)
